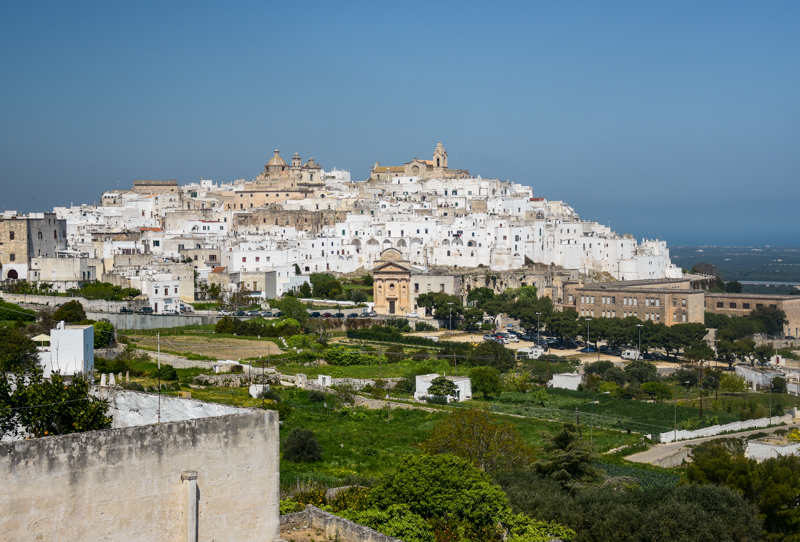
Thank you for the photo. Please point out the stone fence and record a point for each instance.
(672, 436)
(99, 305)
(333, 527)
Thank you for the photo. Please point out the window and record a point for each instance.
(11, 235)
(212, 257)
(570, 298)
(720, 304)
(613, 300)
(156, 290)
(759, 306)
(180, 247)
(441, 288)
(592, 302)
(12, 257)
(244, 258)
(176, 291)
(733, 305)
(258, 258)
(683, 302)
(448, 253)
(416, 287)
(156, 243)
(674, 302)
(745, 305)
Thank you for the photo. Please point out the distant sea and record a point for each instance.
(776, 268)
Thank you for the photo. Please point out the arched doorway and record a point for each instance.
(13, 274)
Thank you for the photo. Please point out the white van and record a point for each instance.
(631, 355)
(530, 352)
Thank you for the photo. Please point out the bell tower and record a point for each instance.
(440, 157)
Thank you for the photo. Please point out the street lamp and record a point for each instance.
(451, 315)
(538, 326)
(591, 434)
(640, 339)
(588, 330)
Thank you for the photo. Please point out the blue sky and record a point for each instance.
(678, 119)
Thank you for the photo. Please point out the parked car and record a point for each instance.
(252, 313)
(647, 356)
(588, 350)
(338, 315)
(327, 315)
(145, 310)
(186, 308)
(315, 315)
(277, 314)
(373, 314)
(240, 313)
(126, 310)
(169, 311)
(488, 337)
(223, 312)
(412, 315)
(509, 337)
(353, 315)
(266, 314)
(500, 339)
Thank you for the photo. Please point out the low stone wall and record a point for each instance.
(374, 404)
(671, 436)
(88, 304)
(674, 459)
(146, 483)
(333, 527)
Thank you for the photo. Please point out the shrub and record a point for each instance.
(283, 410)
(423, 326)
(167, 372)
(71, 312)
(301, 447)
(316, 396)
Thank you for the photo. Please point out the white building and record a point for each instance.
(463, 387)
(71, 351)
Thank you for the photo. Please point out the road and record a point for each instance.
(662, 451)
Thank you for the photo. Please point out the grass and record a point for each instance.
(211, 306)
(389, 370)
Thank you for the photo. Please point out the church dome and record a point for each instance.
(276, 160)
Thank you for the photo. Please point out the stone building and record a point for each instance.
(435, 168)
(25, 237)
(662, 301)
(391, 283)
(744, 304)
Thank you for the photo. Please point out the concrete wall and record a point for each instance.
(134, 409)
(126, 484)
(150, 321)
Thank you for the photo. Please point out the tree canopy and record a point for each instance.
(17, 351)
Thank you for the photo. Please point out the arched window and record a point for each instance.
(11, 235)
(55, 234)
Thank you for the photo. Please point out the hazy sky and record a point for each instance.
(677, 120)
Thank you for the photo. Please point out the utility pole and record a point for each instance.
(158, 340)
(640, 339)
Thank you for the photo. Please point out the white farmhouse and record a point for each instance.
(71, 351)
(463, 387)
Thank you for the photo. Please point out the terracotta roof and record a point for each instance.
(218, 270)
(150, 229)
(384, 169)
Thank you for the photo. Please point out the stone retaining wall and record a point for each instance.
(334, 527)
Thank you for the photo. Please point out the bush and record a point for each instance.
(302, 447)
(71, 312)
(167, 372)
(423, 326)
(316, 396)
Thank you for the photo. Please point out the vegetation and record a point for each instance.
(71, 313)
(10, 312)
(300, 446)
(472, 435)
(31, 404)
(103, 290)
(771, 486)
(17, 351)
